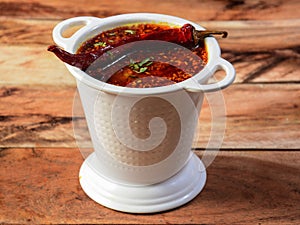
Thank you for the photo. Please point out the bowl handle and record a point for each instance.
(61, 27)
(220, 64)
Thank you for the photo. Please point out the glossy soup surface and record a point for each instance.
(142, 64)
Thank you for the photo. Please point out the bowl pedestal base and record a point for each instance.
(171, 193)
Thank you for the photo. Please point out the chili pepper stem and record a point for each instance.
(199, 35)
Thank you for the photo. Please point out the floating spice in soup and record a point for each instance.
(141, 55)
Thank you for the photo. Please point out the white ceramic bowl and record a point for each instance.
(141, 163)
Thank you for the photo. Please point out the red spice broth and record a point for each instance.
(144, 64)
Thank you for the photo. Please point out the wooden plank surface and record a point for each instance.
(242, 188)
(42, 116)
(244, 36)
(192, 9)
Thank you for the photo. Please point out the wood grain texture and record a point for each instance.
(242, 188)
(258, 36)
(32, 66)
(256, 116)
(244, 36)
(36, 116)
(193, 9)
(259, 115)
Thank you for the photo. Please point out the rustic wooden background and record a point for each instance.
(255, 179)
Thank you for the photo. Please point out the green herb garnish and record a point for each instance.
(101, 43)
(140, 67)
(129, 31)
(143, 69)
(147, 60)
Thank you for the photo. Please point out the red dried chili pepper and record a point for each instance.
(182, 36)
(82, 61)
